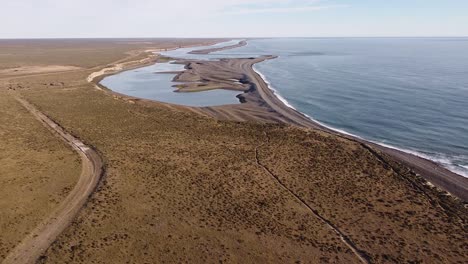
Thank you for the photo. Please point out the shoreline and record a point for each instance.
(151, 58)
(208, 51)
(178, 178)
(263, 96)
(407, 151)
(431, 171)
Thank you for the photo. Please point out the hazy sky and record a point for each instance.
(231, 18)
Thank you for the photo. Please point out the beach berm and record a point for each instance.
(182, 186)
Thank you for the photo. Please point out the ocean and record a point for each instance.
(406, 93)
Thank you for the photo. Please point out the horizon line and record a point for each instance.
(265, 37)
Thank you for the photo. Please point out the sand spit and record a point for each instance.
(200, 76)
(150, 57)
(207, 51)
(261, 104)
(181, 187)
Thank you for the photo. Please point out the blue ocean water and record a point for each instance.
(408, 93)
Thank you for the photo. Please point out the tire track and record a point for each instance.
(38, 241)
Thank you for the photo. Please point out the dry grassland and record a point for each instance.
(180, 187)
(37, 170)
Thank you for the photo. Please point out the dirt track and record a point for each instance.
(34, 245)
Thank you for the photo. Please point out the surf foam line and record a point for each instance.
(446, 162)
(439, 158)
(275, 92)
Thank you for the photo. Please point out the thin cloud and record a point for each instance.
(91, 18)
(246, 10)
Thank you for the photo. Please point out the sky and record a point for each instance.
(232, 18)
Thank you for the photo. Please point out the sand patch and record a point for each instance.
(121, 66)
(24, 70)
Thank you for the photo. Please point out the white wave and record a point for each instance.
(456, 168)
(275, 92)
(441, 159)
(284, 101)
(333, 128)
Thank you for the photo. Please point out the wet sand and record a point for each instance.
(261, 104)
(200, 190)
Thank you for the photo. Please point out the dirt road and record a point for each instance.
(36, 243)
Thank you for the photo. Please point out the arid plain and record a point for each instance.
(181, 186)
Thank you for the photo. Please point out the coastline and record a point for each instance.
(433, 172)
(210, 189)
(150, 59)
(262, 104)
(208, 51)
(407, 151)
